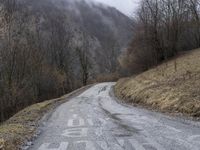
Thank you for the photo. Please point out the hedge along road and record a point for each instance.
(95, 121)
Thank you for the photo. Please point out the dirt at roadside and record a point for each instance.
(22, 127)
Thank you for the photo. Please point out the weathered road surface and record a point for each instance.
(95, 121)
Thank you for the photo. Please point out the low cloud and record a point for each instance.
(125, 6)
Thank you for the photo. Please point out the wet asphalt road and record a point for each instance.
(95, 121)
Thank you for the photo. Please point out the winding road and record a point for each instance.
(94, 120)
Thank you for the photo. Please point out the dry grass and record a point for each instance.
(172, 87)
(22, 126)
(109, 77)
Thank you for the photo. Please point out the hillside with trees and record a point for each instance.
(51, 47)
(166, 32)
(163, 28)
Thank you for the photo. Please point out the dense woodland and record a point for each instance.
(163, 29)
(46, 52)
(33, 66)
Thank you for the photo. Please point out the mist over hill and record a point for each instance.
(108, 29)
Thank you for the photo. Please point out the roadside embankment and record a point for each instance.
(22, 127)
(172, 87)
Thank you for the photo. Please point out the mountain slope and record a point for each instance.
(98, 20)
(171, 87)
(111, 29)
(108, 30)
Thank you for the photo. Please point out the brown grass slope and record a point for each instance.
(171, 87)
(22, 126)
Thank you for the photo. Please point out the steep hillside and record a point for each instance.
(108, 29)
(172, 87)
(51, 47)
(98, 20)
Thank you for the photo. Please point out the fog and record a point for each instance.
(126, 6)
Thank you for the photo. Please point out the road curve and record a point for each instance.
(95, 121)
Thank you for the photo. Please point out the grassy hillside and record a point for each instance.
(172, 87)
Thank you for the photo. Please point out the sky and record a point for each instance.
(125, 6)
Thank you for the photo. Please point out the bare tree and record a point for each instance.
(28, 74)
(164, 27)
(83, 54)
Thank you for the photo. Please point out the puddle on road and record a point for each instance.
(122, 129)
(103, 89)
(121, 133)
